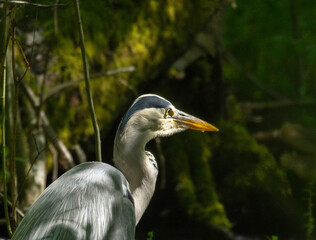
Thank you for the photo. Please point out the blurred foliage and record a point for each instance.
(273, 44)
(251, 183)
(148, 35)
(274, 40)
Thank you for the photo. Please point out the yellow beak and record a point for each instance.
(185, 120)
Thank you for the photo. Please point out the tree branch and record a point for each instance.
(39, 152)
(33, 4)
(87, 81)
(3, 74)
(14, 123)
(19, 211)
(277, 104)
(66, 160)
(63, 86)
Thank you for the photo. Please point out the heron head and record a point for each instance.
(155, 116)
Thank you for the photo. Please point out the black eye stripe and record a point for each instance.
(143, 103)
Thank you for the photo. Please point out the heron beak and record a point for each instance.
(185, 120)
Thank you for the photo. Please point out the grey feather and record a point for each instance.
(93, 194)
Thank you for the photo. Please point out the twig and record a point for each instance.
(191, 55)
(19, 211)
(130, 87)
(60, 88)
(6, 210)
(33, 39)
(33, 4)
(23, 54)
(47, 57)
(49, 131)
(3, 53)
(14, 114)
(63, 86)
(78, 153)
(28, 67)
(120, 70)
(3, 65)
(41, 93)
(37, 149)
(39, 152)
(89, 94)
(277, 104)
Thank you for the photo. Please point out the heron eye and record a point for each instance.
(169, 112)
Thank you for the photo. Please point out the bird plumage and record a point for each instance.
(90, 201)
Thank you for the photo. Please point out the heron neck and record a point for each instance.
(131, 159)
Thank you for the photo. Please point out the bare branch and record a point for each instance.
(130, 87)
(33, 40)
(14, 120)
(3, 51)
(119, 70)
(60, 88)
(38, 153)
(63, 86)
(177, 69)
(37, 150)
(19, 211)
(41, 93)
(23, 54)
(277, 104)
(78, 153)
(34, 4)
(97, 137)
(66, 158)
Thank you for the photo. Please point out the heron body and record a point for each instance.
(78, 206)
(97, 201)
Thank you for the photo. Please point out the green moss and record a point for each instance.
(195, 187)
(148, 35)
(248, 163)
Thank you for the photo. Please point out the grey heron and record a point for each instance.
(97, 201)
